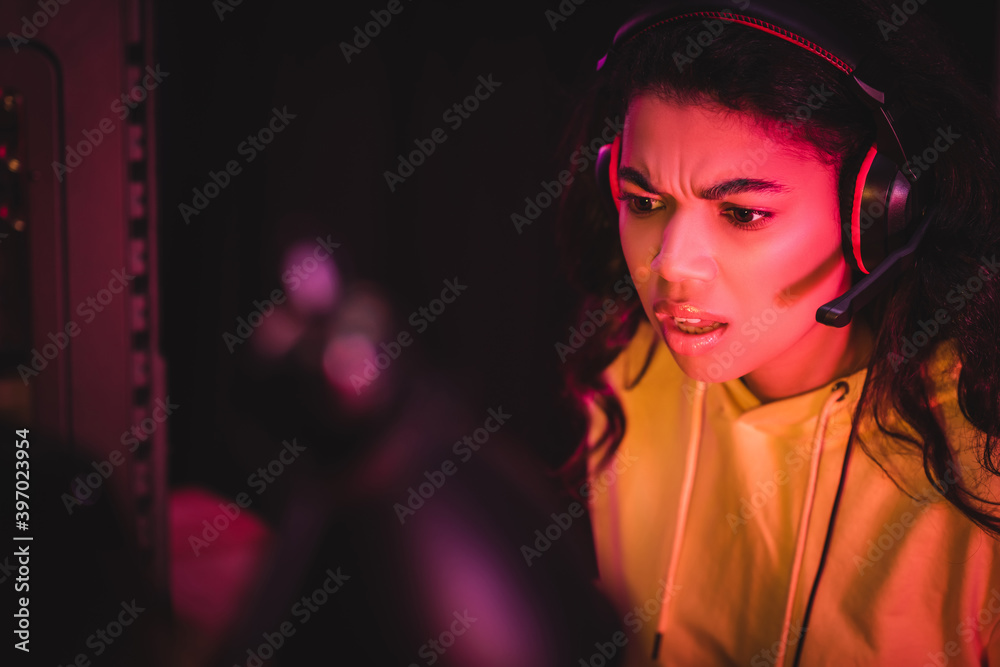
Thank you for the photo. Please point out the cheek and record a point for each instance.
(802, 258)
(760, 337)
(630, 235)
(780, 293)
(639, 247)
(819, 229)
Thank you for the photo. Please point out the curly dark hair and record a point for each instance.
(748, 71)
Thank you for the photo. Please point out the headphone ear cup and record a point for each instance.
(876, 207)
(606, 172)
(852, 182)
(863, 213)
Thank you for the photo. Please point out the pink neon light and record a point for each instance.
(859, 188)
(616, 146)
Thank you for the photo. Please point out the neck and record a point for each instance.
(830, 354)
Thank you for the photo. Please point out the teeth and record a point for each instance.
(688, 320)
(685, 326)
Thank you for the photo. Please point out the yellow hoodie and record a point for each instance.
(711, 520)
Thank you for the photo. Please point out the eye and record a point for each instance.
(748, 218)
(640, 205)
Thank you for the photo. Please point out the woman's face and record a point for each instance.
(732, 238)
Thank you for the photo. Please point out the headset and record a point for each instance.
(881, 200)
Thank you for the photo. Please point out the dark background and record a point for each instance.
(325, 173)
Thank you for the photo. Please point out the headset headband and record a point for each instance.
(840, 44)
(791, 21)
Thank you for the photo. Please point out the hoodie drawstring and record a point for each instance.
(819, 438)
(687, 489)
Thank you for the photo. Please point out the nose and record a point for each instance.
(686, 249)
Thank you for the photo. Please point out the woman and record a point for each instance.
(764, 488)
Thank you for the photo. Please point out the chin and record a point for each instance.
(708, 369)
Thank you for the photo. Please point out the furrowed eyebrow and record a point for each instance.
(636, 177)
(718, 191)
(738, 186)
